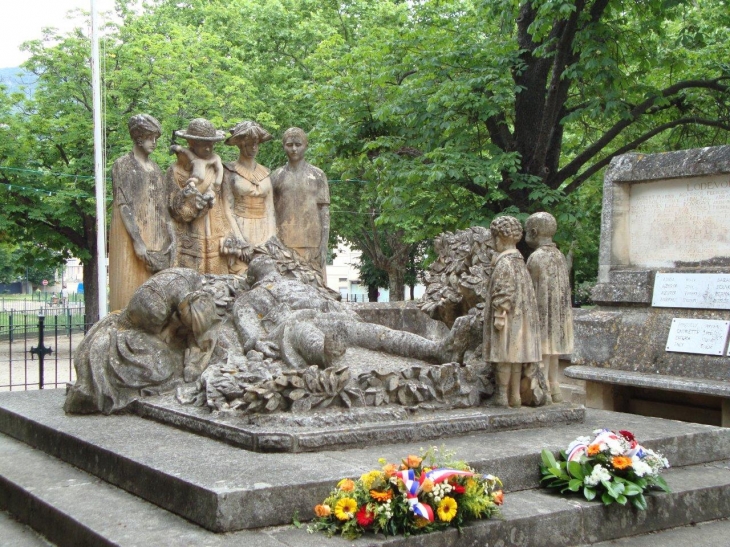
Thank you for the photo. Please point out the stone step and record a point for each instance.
(72, 508)
(15, 534)
(224, 488)
(703, 534)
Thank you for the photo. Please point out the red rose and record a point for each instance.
(364, 517)
(458, 489)
(627, 435)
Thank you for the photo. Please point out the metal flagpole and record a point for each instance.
(98, 165)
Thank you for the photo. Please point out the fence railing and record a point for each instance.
(37, 346)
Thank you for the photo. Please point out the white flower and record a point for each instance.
(598, 474)
(614, 447)
(640, 468)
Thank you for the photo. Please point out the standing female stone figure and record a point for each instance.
(511, 322)
(247, 193)
(141, 238)
(302, 202)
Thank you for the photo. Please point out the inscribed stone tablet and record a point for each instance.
(700, 291)
(704, 336)
(685, 220)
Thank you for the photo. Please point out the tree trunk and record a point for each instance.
(396, 284)
(413, 292)
(91, 278)
(373, 293)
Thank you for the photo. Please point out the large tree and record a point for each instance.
(455, 111)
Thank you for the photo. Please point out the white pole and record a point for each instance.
(98, 165)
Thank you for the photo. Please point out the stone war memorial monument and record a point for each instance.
(232, 389)
(657, 341)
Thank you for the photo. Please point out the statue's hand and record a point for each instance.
(268, 348)
(499, 322)
(140, 249)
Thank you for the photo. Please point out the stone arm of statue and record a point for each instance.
(228, 202)
(324, 220)
(186, 204)
(126, 211)
(248, 311)
(503, 293)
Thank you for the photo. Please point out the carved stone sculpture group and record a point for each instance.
(208, 216)
(278, 338)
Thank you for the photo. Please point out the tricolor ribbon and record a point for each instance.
(413, 487)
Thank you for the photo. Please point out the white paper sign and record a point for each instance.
(704, 336)
(700, 291)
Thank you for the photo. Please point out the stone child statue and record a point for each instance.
(511, 321)
(201, 224)
(301, 200)
(141, 238)
(199, 179)
(549, 271)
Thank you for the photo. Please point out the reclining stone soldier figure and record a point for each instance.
(290, 320)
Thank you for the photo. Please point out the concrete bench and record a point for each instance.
(603, 387)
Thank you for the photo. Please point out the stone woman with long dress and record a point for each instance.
(141, 238)
(201, 224)
(511, 322)
(247, 192)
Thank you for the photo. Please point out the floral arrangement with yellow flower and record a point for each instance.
(611, 466)
(421, 494)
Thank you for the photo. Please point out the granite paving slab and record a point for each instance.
(225, 488)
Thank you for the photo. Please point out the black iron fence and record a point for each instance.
(37, 345)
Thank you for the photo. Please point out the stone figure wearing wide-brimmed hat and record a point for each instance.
(141, 238)
(248, 194)
(301, 200)
(202, 225)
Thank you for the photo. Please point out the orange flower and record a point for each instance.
(381, 496)
(620, 462)
(498, 497)
(322, 511)
(427, 486)
(593, 449)
(390, 470)
(411, 462)
(346, 485)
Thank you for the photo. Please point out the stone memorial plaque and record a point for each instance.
(685, 219)
(700, 291)
(703, 336)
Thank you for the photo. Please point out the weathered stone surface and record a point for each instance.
(141, 237)
(301, 200)
(403, 315)
(718, 388)
(511, 319)
(648, 171)
(634, 339)
(222, 487)
(343, 428)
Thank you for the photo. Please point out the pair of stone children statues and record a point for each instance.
(529, 319)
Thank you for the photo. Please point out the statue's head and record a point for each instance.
(507, 230)
(144, 130)
(261, 266)
(201, 135)
(295, 143)
(540, 227)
